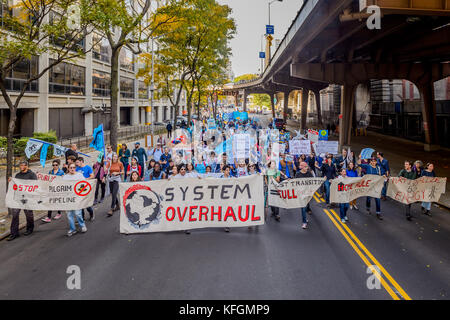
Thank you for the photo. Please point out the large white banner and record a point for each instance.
(332, 147)
(191, 203)
(344, 190)
(58, 194)
(298, 147)
(425, 189)
(295, 193)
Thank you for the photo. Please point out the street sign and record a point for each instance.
(262, 55)
(270, 29)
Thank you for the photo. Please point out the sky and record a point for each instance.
(251, 17)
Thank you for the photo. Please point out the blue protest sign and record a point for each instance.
(323, 135)
(367, 153)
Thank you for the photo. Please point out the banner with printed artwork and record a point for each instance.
(183, 204)
(424, 189)
(344, 190)
(57, 194)
(295, 193)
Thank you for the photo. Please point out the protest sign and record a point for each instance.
(58, 194)
(295, 193)
(331, 147)
(367, 153)
(298, 147)
(241, 146)
(425, 189)
(344, 190)
(313, 135)
(323, 135)
(163, 205)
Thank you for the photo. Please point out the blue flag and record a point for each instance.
(99, 142)
(44, 154)
(367, 153)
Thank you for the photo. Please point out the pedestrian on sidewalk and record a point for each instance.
(304, 172)
(428, 172)
(100, 176)
(141, 155)
(87, 173)
(115, 170)
(56, 171)
(124, 157)
(409, 174)
(24, 174)
(352, 172)
(372, 168)
(169, 130)
(385, 170)
(72, 214)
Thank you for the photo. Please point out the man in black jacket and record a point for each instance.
(24, 174)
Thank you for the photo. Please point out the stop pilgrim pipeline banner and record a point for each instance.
(191, 203)
(345, 190)
(295, 193)
(43, 195)
(424, 189)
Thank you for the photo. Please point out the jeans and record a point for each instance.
(304, 215)
(343, 208)
(377, 203)
(49, 215)
(101, 185)
(275, 211)
(79, 217)
(327, 186)
(383, 191)
(114, 187)
(426, 205)
(408, 210)
(90, 210)
(15, 221)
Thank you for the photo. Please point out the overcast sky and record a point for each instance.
(251, 17)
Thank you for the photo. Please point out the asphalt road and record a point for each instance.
(276, 261)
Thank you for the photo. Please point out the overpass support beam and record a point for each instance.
(318, 107)
(272, 103)
(429, 116)
(244, 103)
(285, 105)
(345, 121)
(304, 111)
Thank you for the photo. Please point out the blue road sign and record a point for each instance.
(270, 29)
(262, 55)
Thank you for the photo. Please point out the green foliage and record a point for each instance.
(261, 100)
(246, 77)
(3, 143)
(20, 144)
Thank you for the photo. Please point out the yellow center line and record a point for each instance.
(315, 198)
(363, 258)
(369, 254)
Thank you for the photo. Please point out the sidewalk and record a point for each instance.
(5, 221)
(397, 150)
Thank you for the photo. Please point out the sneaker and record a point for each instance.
(428, 213)
(343, 220)
(346, 218)
(277, 217)
(11, 238)
(57, 217)
(368, 210)
(28, 232)
(110, 213)
(187, 232)
(46, 220)
(92, 218)
(84, 229)
(227, 229)
(304, 226)
(379, 217)
(351, 207)
(71, 233)
(355, 207)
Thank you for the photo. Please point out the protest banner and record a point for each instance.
(367, 153)
(295, 193)
(241, 146)
(424, 189)
(58, 194)
(191, 203)
(46, 177)
(331, 147)
(298, 147)
(313, 135)
(344, 190)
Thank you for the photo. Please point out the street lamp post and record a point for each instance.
(268, 45)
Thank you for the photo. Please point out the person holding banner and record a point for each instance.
(343, 207)
(273, 173)
(100, 176)
(157, 173)
(304, 172)
(24, 174)
(428, 172)
(329, 171)
(87, 173)
(287, 168)
(56, 171)
(372, 168)
(227, 175)
(115, 171)
(409, 174)
(352, 172)
(74, 175)
(385, 170)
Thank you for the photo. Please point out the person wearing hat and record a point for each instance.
(372, 168)
(24, 174)
(141, 155)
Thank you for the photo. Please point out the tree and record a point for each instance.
(245, 77)
(189, 47)
(127, 23)
(27, 29)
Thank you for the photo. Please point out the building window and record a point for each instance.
(101, 49)
(143, 92)
(77, 43)
(126, 59)
(65, 78)
(101, 82)
(20, 73)
(126, 88)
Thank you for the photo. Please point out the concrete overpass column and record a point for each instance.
(272, 103)
(429, 116)
(285, 105)
(345, 123)
(318, 107)
(304, 111)
(245, 101)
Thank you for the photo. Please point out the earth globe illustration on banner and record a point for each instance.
(142, 206)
